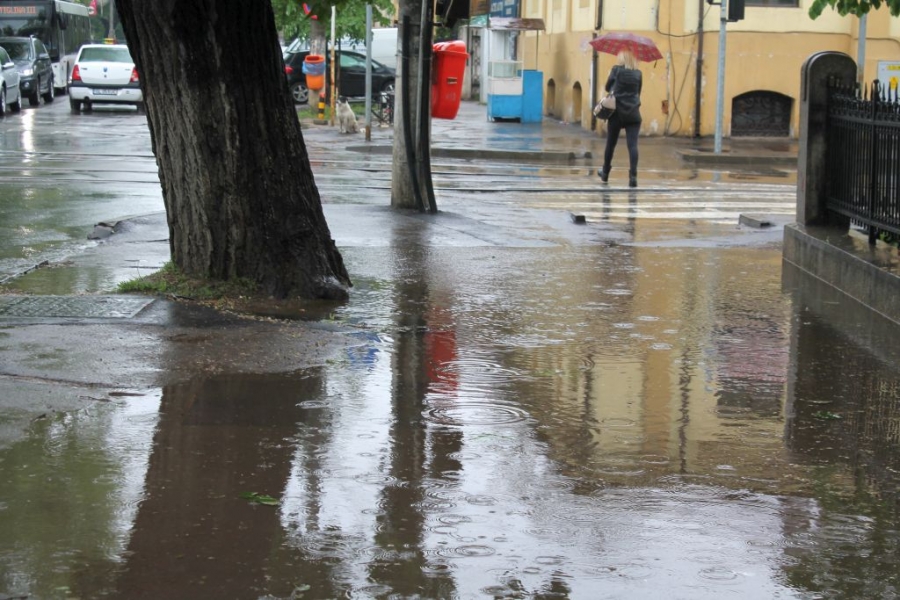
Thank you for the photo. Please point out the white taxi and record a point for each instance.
(104, 74)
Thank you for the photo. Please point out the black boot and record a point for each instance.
(632, 180)
(604, 174)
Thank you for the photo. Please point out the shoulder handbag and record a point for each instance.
(603, 113)
(607, 106)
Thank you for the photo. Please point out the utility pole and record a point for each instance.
(720, 80)
(368, 72)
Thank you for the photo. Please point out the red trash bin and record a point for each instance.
(446, 84)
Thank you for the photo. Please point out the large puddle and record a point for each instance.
(556, 422)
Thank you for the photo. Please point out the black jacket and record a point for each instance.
(625, 84)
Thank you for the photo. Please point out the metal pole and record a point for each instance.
(368, 72)
(112, 21)
(333, 69)
(698, 85)
(720, 84)
(861, 51)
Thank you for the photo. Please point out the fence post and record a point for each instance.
(811, 168)
(873, 169)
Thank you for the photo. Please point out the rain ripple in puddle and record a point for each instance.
(467, 551)
(482, 371)
(461, 414)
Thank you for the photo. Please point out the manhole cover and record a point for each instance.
(85, 307)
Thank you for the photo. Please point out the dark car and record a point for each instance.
(351, 75)
(33, 63)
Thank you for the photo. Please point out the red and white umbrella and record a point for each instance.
(643, 48)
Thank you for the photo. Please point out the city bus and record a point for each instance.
(62, 26)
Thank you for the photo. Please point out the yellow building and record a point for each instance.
(764, 55)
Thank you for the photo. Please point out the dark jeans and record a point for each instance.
(614, 127)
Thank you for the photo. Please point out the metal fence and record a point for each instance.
(383, 107)
(863, 157)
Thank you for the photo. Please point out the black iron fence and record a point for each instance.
(863, 157)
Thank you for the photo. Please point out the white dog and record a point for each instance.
(346, 117)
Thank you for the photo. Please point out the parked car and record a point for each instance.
(351, 75)
(33, 63)
(9, 84)
(104, 74)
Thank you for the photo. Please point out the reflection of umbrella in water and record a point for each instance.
(614, 42)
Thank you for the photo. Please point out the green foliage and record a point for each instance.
(853, 7)
(256, 498)
(889, 238)
(293, 22)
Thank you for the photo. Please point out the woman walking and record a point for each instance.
(624, 82)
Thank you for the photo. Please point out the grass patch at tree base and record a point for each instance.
(170, 281)
(241, 296)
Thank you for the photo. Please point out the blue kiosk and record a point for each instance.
(513, 92)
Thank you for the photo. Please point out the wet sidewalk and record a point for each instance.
(471, 135)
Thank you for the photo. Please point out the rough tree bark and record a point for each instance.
(238, 188)
(403, 194)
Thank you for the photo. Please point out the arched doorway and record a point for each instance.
(551, 98)
(576, 103)
(761, 114)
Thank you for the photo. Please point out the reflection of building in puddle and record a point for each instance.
(653, 386)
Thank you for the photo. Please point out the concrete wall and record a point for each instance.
(845, 261)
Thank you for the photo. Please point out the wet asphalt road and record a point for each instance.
(511, 405)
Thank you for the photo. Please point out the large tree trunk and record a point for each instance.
(237, 184)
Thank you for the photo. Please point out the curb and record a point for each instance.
(727, 158)
(692, 157)
(756, 221)
(481, 153)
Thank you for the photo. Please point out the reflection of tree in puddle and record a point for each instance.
(218, 438)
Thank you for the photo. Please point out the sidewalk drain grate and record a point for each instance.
(83, 307)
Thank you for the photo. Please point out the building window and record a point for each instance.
(793, 3)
